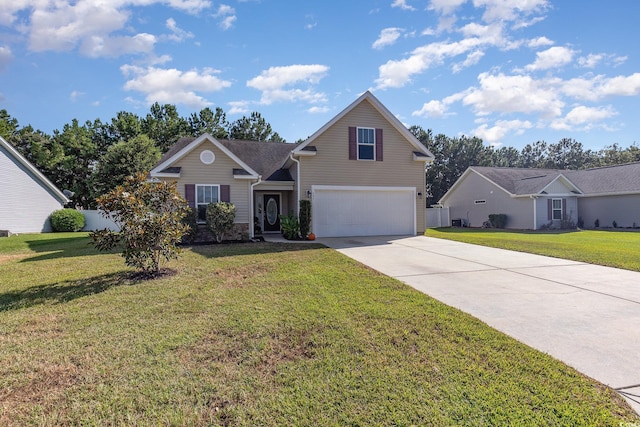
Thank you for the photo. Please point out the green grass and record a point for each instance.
(260, 334)
(619, 249)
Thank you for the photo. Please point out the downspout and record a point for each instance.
(252, 231)
(299, 173)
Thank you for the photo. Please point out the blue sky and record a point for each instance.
(509, 71)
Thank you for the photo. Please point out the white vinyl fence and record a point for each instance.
(95, 221)
(438, 217)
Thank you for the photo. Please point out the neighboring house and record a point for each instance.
(363, 171)
(27, 196)
(534, 198)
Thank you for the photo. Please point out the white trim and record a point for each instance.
(195, 143)
(167, 175)
(207, 157)
(393, 120)
(31, 168)
(366, 144)
(554, 209)
(412, 190)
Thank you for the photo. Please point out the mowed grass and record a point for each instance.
(619, 249)
(260, 334)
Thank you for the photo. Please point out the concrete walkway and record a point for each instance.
(585, 315)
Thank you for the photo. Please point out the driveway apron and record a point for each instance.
(585, 315)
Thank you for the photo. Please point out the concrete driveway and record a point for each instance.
(588, 316)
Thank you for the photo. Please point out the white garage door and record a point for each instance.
(363, 211)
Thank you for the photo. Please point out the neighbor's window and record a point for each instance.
(556, 209)
(206, 194)
(366, 143)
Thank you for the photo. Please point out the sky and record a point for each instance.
(511, 72)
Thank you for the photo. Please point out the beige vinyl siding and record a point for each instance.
(331, 164)
(220, 172)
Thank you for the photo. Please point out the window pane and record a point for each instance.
(557, 204)
(557, 214)
(200, 196)
(214, 194)
(365, 136)
(365, 152)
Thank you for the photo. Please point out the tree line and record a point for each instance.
(92, 158)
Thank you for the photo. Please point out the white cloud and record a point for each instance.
(74, 95)
(599, 87)
(553, 57)
(227, 16)
(387, 37)
(402, 4)
(432, 108)
(178, 34)
(510, 10)
(583, 118)
(540, 41)
(272, 83)
(445, 7)
(173, 86)
(5, 56)
(472, 59)
(318, 110)
(95, 27)
(239, 107)
(513, 94)
(495, 134)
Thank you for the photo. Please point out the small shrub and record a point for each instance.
(596, 223)
(67, 220)
(580, 222)
(615, 224)
(498, 220)
(305, 218)
(190, 220)
(290, 226)
(221, 217)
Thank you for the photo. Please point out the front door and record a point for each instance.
(271, 212)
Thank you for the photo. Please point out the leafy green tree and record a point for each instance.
(164, 126)
(567, 154)
(506, 157)
(452, 157)
(220, 219)
(8, 125)
(533, 155)
(207, 121)
(252, 128)
(75, 169)
(123, 159)
(150, 215)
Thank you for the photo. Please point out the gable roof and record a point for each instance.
(255, 158)
(609, 180)
(420, 149)
(34, 172)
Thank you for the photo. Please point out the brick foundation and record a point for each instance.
(240, 232)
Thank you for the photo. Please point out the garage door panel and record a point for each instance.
(365, 211)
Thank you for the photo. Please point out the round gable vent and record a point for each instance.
(207, 157)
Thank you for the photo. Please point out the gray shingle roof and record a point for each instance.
(605, 180)
(266, 158)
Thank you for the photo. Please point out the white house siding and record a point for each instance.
(25, 204)
(331, 164)
(474, 188)
(623, 209)
(220, 172)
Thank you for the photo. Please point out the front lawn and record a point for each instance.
(619, 249)
(260, 334)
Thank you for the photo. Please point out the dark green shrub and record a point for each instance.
(498, 220)
(67, 220)
(290, 226)
(305, 218)
(596, 223)
(580, 222)
(190, 220)
(615, 224)
(220, 219)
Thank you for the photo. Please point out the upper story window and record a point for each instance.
(366, 144)
(206, 194)
(556, 209)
